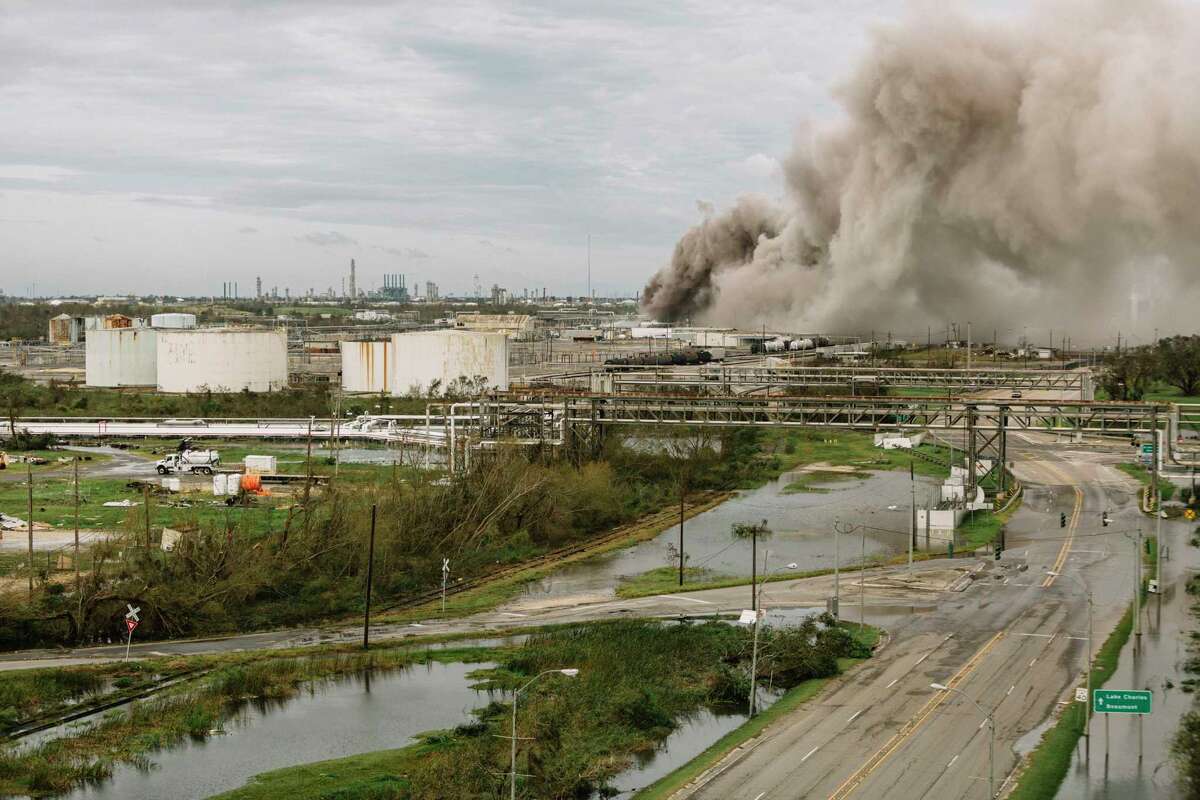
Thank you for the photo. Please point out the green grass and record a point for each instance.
(793, 699)
(1047, 765)
(807, 481)
(796, 448)
(1142, 475)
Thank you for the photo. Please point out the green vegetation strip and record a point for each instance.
(794, 698)
(1047, 765)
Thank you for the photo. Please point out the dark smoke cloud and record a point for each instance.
(1036, 172)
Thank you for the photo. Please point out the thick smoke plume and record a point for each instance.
(1036, 172)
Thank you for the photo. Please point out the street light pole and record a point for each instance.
(991, 721)
(570, 673)
(1087, 709)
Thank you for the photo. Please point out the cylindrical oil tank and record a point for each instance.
(365, 366)
(118, 357)
(448, 358)
(173, 320)
(222, 360)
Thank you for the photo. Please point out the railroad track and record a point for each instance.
(704, 501)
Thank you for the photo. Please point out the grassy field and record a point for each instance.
(1158, 392)
(796, 448)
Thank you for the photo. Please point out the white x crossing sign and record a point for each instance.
(133, 612)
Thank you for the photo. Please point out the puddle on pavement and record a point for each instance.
(803, 534)
(331, 720)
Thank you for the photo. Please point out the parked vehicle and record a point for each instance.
(196, 462)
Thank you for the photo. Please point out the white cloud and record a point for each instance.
(526, 123)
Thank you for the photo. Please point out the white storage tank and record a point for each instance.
(422, 358)
(366, 366)
(222, 360)
(117, 357)
(173, 321)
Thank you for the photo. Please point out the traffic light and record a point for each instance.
(1062, 520)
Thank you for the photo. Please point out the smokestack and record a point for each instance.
(353, 292)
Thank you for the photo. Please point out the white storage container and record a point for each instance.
(261, 465)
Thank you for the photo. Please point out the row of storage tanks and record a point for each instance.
(236, 359)
(178, 357)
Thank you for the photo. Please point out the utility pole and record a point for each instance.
(29, 524)
(146, 503)
(370, 575)
(912, 518)
(76, 560)
(681, 534)
(308, 466)
(968, 348)
(1137, 595)
(837, 594)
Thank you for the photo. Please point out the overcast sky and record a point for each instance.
(167, 147)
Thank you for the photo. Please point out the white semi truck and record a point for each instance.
(197, 462)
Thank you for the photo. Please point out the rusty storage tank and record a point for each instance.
(118, 357)
(366, 366)
(222, 359)
(421, 358)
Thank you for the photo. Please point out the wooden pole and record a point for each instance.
(681, 535)
(76, 524)
(29, 524)
(370, 575)
(308, 465)
(146, 503)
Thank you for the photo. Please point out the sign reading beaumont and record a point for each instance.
(1121, 701)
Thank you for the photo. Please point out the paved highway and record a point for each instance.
(1015, 641)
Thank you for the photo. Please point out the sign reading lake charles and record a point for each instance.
(1121, 701)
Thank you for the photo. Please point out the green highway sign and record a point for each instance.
(1121, 701)
(1148, 449)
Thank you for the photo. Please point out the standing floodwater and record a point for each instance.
(802, 525)
(358, 715)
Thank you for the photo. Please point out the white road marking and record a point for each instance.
(760, 796)
(1080, 638)
(893, 683)
(681, 597)
(513, 614)
(1010, 690)
(982, 724)
(1043, 635)
(809, 753)
(951, 764)
(1006, 580)
(856, 713)
(1032, 662)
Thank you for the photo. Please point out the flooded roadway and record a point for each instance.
(1166, 631)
